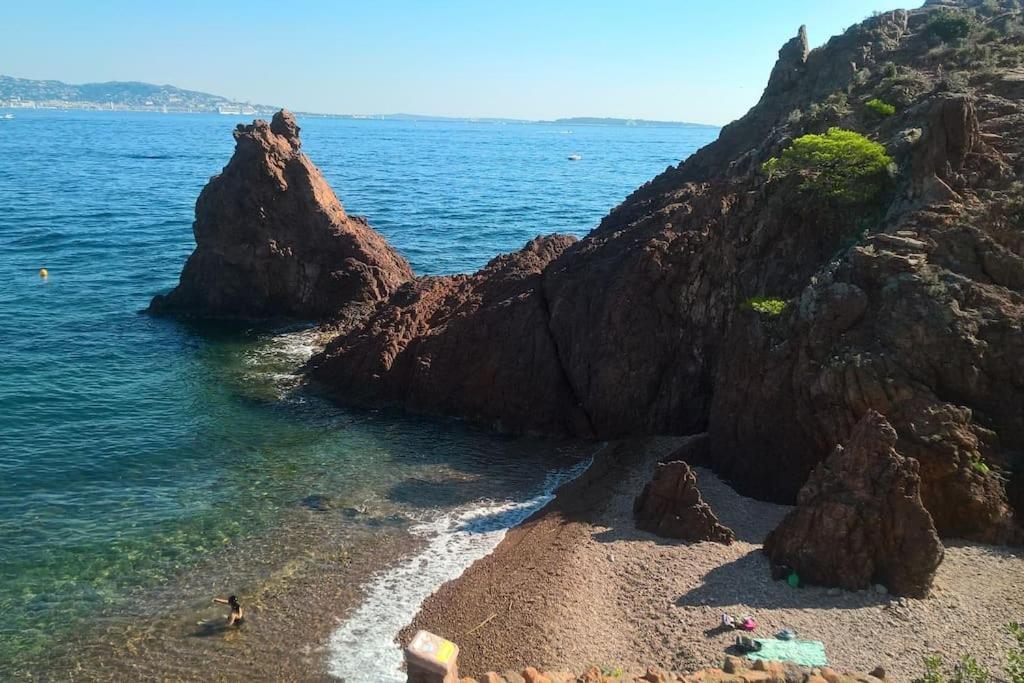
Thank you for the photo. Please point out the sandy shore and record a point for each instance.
(578, 584)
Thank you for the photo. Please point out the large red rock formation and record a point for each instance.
(860, 520)
(912, 304)
(272, 240)
(671, 505)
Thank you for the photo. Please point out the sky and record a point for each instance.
(703, 61)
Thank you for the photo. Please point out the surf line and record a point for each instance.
(364, 647)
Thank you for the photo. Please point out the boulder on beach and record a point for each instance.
(272, 239)
(671, 506)
(860, 521)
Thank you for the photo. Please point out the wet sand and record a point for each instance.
(578, 584)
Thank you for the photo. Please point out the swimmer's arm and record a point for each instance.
(222, 601)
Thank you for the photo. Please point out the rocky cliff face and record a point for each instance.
(272, 240)
(911, 304)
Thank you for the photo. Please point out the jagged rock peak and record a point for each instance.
(272, 239)
(283, 123)
(671, 505)
(790, 65)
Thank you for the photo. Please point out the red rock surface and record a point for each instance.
(272, 239)
(860, 521)
(671, 506)
(477, 345)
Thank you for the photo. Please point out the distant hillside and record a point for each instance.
(122, 95)
(26, 93)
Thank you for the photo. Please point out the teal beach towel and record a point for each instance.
(803, 652)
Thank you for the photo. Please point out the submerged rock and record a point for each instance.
(859, 520)
(272, 240)
(671, 505)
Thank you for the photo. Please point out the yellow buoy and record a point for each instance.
(44, 273)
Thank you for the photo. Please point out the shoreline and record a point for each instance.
(577, 585)
(363, 645)
(298, 607)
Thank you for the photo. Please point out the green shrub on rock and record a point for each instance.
(840, 166)
(880, 107)
(765, 305)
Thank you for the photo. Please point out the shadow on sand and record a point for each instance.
(746, 581)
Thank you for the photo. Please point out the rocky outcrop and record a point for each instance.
(670, 505)
(272, 240)
(860, 521)
(477, 345)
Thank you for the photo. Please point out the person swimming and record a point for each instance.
(236, 609)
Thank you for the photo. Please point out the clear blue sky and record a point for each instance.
(695, 60)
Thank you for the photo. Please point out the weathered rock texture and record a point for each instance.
(272, 240)
(671, 505)
(472, 345)
(911, 305)
(860, 520)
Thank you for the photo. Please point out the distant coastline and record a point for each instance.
(134, 96)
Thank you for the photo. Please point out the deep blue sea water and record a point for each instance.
(134, 450)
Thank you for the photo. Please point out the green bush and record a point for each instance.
(841, 166)
(949, 25)
(1015, 657)
(880, 107)
(932, 671)
(967, 670)
(765, 305)
(979, 466)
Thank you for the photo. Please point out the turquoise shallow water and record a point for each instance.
(134, 449)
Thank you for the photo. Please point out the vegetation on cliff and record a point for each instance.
(880, 107)
(841, 166)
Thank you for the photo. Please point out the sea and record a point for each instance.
(150, 464)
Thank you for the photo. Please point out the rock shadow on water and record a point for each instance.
(747, 581)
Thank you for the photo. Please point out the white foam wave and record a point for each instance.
(292, 347)
(363, 649)
(276, 361)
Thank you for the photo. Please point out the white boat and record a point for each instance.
(7, 116)
(574, 157)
